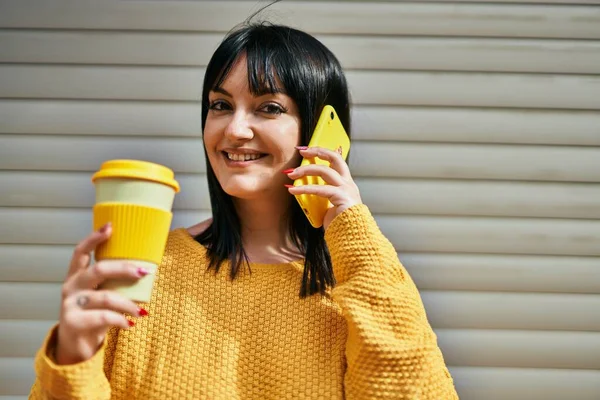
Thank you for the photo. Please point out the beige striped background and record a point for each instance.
(476, 144)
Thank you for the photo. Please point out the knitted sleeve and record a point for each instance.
(85, 380)
(391, 350)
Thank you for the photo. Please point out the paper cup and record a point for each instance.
(136, 197)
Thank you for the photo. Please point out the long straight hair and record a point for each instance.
(313, 77)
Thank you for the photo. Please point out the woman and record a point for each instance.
(255, 303)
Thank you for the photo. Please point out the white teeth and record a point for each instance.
(242, 157)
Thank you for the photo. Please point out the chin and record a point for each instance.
(244, 190)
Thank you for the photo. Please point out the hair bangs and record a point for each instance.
(262, 67)
(222, 75)
(263, 79)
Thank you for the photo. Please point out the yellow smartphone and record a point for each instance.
(330, 134)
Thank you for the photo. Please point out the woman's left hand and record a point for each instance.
(340, 188)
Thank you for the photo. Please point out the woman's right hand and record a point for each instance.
(86, 313)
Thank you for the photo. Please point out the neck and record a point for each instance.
(265, 229)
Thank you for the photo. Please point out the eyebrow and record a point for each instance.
(222, 91)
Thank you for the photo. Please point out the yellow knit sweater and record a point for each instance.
(208, 337)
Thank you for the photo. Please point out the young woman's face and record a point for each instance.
(250, 140)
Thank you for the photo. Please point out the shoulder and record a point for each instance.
(181, 244)
(182, 258)
(199, 228)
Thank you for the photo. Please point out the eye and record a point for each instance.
(273, 109)
(219, 105)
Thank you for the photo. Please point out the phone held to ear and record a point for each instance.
(330, 134)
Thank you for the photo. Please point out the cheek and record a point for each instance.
(294, 158)
(210, 138)
(288, 157)
(290, 139)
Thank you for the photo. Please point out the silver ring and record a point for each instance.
(82, 301)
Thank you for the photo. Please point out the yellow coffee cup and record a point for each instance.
(136, 197)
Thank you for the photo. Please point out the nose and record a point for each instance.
(238, 128)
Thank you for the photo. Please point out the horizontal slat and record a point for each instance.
(445, 310)
(88, 153)
(323, 17)
(475, 89)
(476, 383)
(480, 198)
(96, 47)
(402, 160)
(492, 235)
(68, 117)
(461, 347)
(65, 117)
(22, 338)
(407, 233)
(448, 125)
(393, 88)
(75, 224)
(434, 54)
(521, 349)
(34, 263)
(16, 376)
(484, 272)
(406, 196)
(82, 82)
(27, 301)
(475, 161)
(523, 311)
(439, 271)
(195, 49)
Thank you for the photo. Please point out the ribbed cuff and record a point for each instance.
(70, 381)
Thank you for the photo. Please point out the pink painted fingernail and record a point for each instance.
(289, 186)
(104, 228)
(288, 171)
(302, 147)
(142, 271)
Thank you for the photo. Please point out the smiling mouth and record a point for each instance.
(243, 157)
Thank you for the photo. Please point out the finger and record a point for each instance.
(335, 159)
(329, 175)
(326, 191)
(104, 300)
(99, 272)
(93, 320)
(81, 255)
